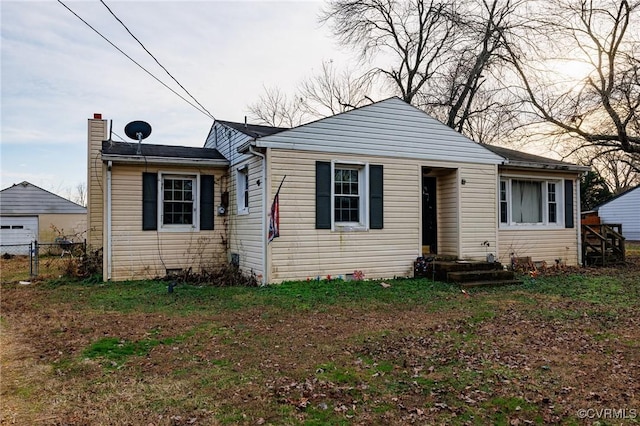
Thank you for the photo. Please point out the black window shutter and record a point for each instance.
(376, 211)
(323, 195)
(568, 204)
(207, 209)
(149, 201)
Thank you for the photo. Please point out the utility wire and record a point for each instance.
(134, 61)
(154, 58)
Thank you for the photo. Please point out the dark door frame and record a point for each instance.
(429, 212)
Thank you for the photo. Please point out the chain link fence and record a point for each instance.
(45, 260)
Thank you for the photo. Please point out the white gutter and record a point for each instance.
(108, 239)
(263, 219)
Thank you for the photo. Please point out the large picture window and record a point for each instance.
(529, 202)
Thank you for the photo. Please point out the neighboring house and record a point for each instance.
(29, 213)
(368, 190)
(623, 209)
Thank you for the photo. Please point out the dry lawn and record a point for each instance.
(332, 353)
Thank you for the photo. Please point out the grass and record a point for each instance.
(320, 353)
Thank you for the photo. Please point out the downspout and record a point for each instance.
(108, 239)
(263, 219)
(578, 221)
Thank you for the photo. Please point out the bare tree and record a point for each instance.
(445, 58)
(468, 93)
(331, 92)
(415, 34)
(618, 169)
(275, 108)
(326, 93)
(602, 111)
(80, 195)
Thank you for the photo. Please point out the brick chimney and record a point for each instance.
(97, 132)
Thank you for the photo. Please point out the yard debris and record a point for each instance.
(385, 285)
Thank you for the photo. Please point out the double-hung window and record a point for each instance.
(178, 200)
(349, 196)
(529, 202)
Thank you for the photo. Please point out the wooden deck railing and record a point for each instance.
(602, 244)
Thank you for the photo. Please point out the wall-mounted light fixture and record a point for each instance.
(463, 181)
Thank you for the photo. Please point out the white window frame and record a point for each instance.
(195, 190)
(559, 202)
(363, 193)
(242, 189)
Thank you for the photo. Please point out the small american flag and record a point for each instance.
(274, 217)
(274, 220)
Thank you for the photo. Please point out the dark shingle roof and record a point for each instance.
(253, 130)
(166, 151)
(518, 158)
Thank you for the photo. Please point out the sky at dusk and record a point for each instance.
(57, 72)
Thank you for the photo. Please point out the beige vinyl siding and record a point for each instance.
(97, 132)
(541, 245)
(447, 205)
(544, 243)
(139, 254)
(245, 230)
(478, 211)
(305, 252)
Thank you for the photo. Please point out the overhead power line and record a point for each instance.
(154, 58)
(203, 111)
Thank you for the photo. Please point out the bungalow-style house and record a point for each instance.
(29, 213)
(364, 192)
(623, 209)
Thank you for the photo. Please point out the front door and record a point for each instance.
(429, 215)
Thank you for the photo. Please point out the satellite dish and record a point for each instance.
(138, 130)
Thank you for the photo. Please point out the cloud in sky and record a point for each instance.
(57, 72)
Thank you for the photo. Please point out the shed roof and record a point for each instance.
(523, 159)
(150, 153)
(24, 198)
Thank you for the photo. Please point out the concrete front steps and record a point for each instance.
(469, 274)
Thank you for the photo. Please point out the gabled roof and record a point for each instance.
(389, 128)
(523, 159)
(252, 130)
(150, 153)
(27, 199)
(622, 194)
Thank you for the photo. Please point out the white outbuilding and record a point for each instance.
(29, 213)
(623, 209)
